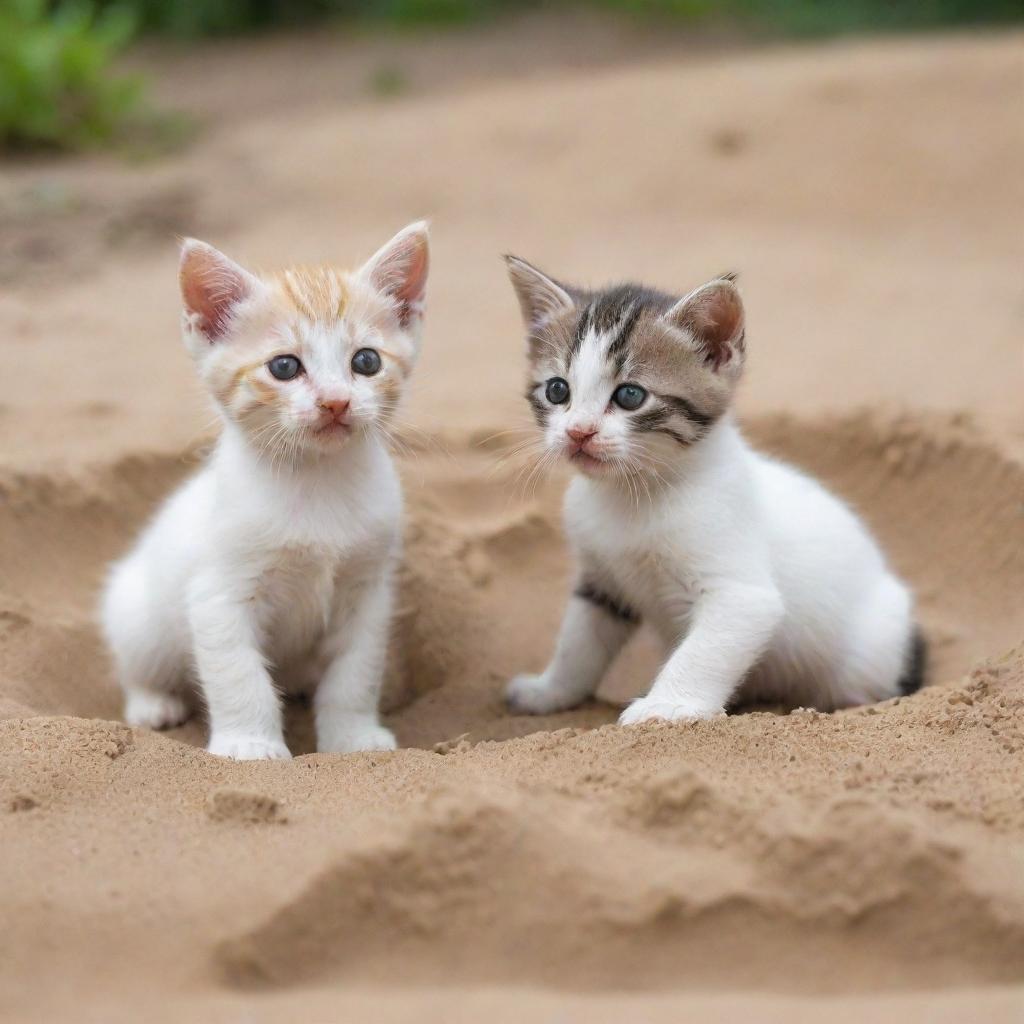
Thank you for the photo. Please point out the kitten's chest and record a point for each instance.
(296, 586)
(299, 590)
(643, 557)
(322, 556)
(344, 511)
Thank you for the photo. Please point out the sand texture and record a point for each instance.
(767, 866)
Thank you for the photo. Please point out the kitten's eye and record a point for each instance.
(366, 361)
(557, 391)
(284, 367)
(629, 396)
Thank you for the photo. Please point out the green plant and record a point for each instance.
(829, 17)
(824, 17)
(388, 81)
(817, 18)
(56, 84)
(226, 17)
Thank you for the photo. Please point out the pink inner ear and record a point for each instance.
(211, 286)
(715, 318)
(402, 274)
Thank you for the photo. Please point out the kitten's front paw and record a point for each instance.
(248, 748)
(154, 710)
(644, 709)
(534, 695)
(352, 736)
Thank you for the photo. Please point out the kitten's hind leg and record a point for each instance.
(149, 652)
(594, 630)
(154, 709)
(880, 647)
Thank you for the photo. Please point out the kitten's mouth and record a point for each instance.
(332, 429)
(585, 461)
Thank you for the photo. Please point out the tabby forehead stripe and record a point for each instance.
(582, 327)
(619, 348)
(317, 293)
(295, 294)
(614, 607)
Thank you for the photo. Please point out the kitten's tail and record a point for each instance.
(915, 664)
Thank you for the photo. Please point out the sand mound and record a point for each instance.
(513, 886)
(532, 890)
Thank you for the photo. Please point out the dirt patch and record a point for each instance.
(238, 805)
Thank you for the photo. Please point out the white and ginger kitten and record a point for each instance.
(273, 565)
(760, 583)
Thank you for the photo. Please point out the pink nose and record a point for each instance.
(581, 436)
(336, 407)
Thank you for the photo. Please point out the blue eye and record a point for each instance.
(366, 361)
(284, 367)
(629, 396)
(557, 391)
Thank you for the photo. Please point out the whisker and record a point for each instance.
(537, 447)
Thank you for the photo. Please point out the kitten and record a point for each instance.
(759, 582)
(278, 556)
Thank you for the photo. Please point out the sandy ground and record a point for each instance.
(863, 865)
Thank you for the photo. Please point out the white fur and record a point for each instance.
(251, 567)
(748, 571)
(273, 566)
(751, 573)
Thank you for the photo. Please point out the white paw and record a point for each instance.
(154, 710)
(533, 695)
(248, 748)
(644, 709)
(356, 734)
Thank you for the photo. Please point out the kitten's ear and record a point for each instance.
(212, 286)
(541, 298)
(712, 316)
(399, 270)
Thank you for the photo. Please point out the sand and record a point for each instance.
(768, 866)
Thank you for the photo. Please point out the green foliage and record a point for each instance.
(427, 11)
(222, 17)
(822, 17)
(818, 17)
(387, 82)
(211, 17)
(56, 88)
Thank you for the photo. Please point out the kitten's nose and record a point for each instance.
(581, 435)
(337, 407)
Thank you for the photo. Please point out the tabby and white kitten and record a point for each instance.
(273, 565)
(759, 582)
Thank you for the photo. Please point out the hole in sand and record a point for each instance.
(487, 572)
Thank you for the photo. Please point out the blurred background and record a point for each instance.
(859, 162)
